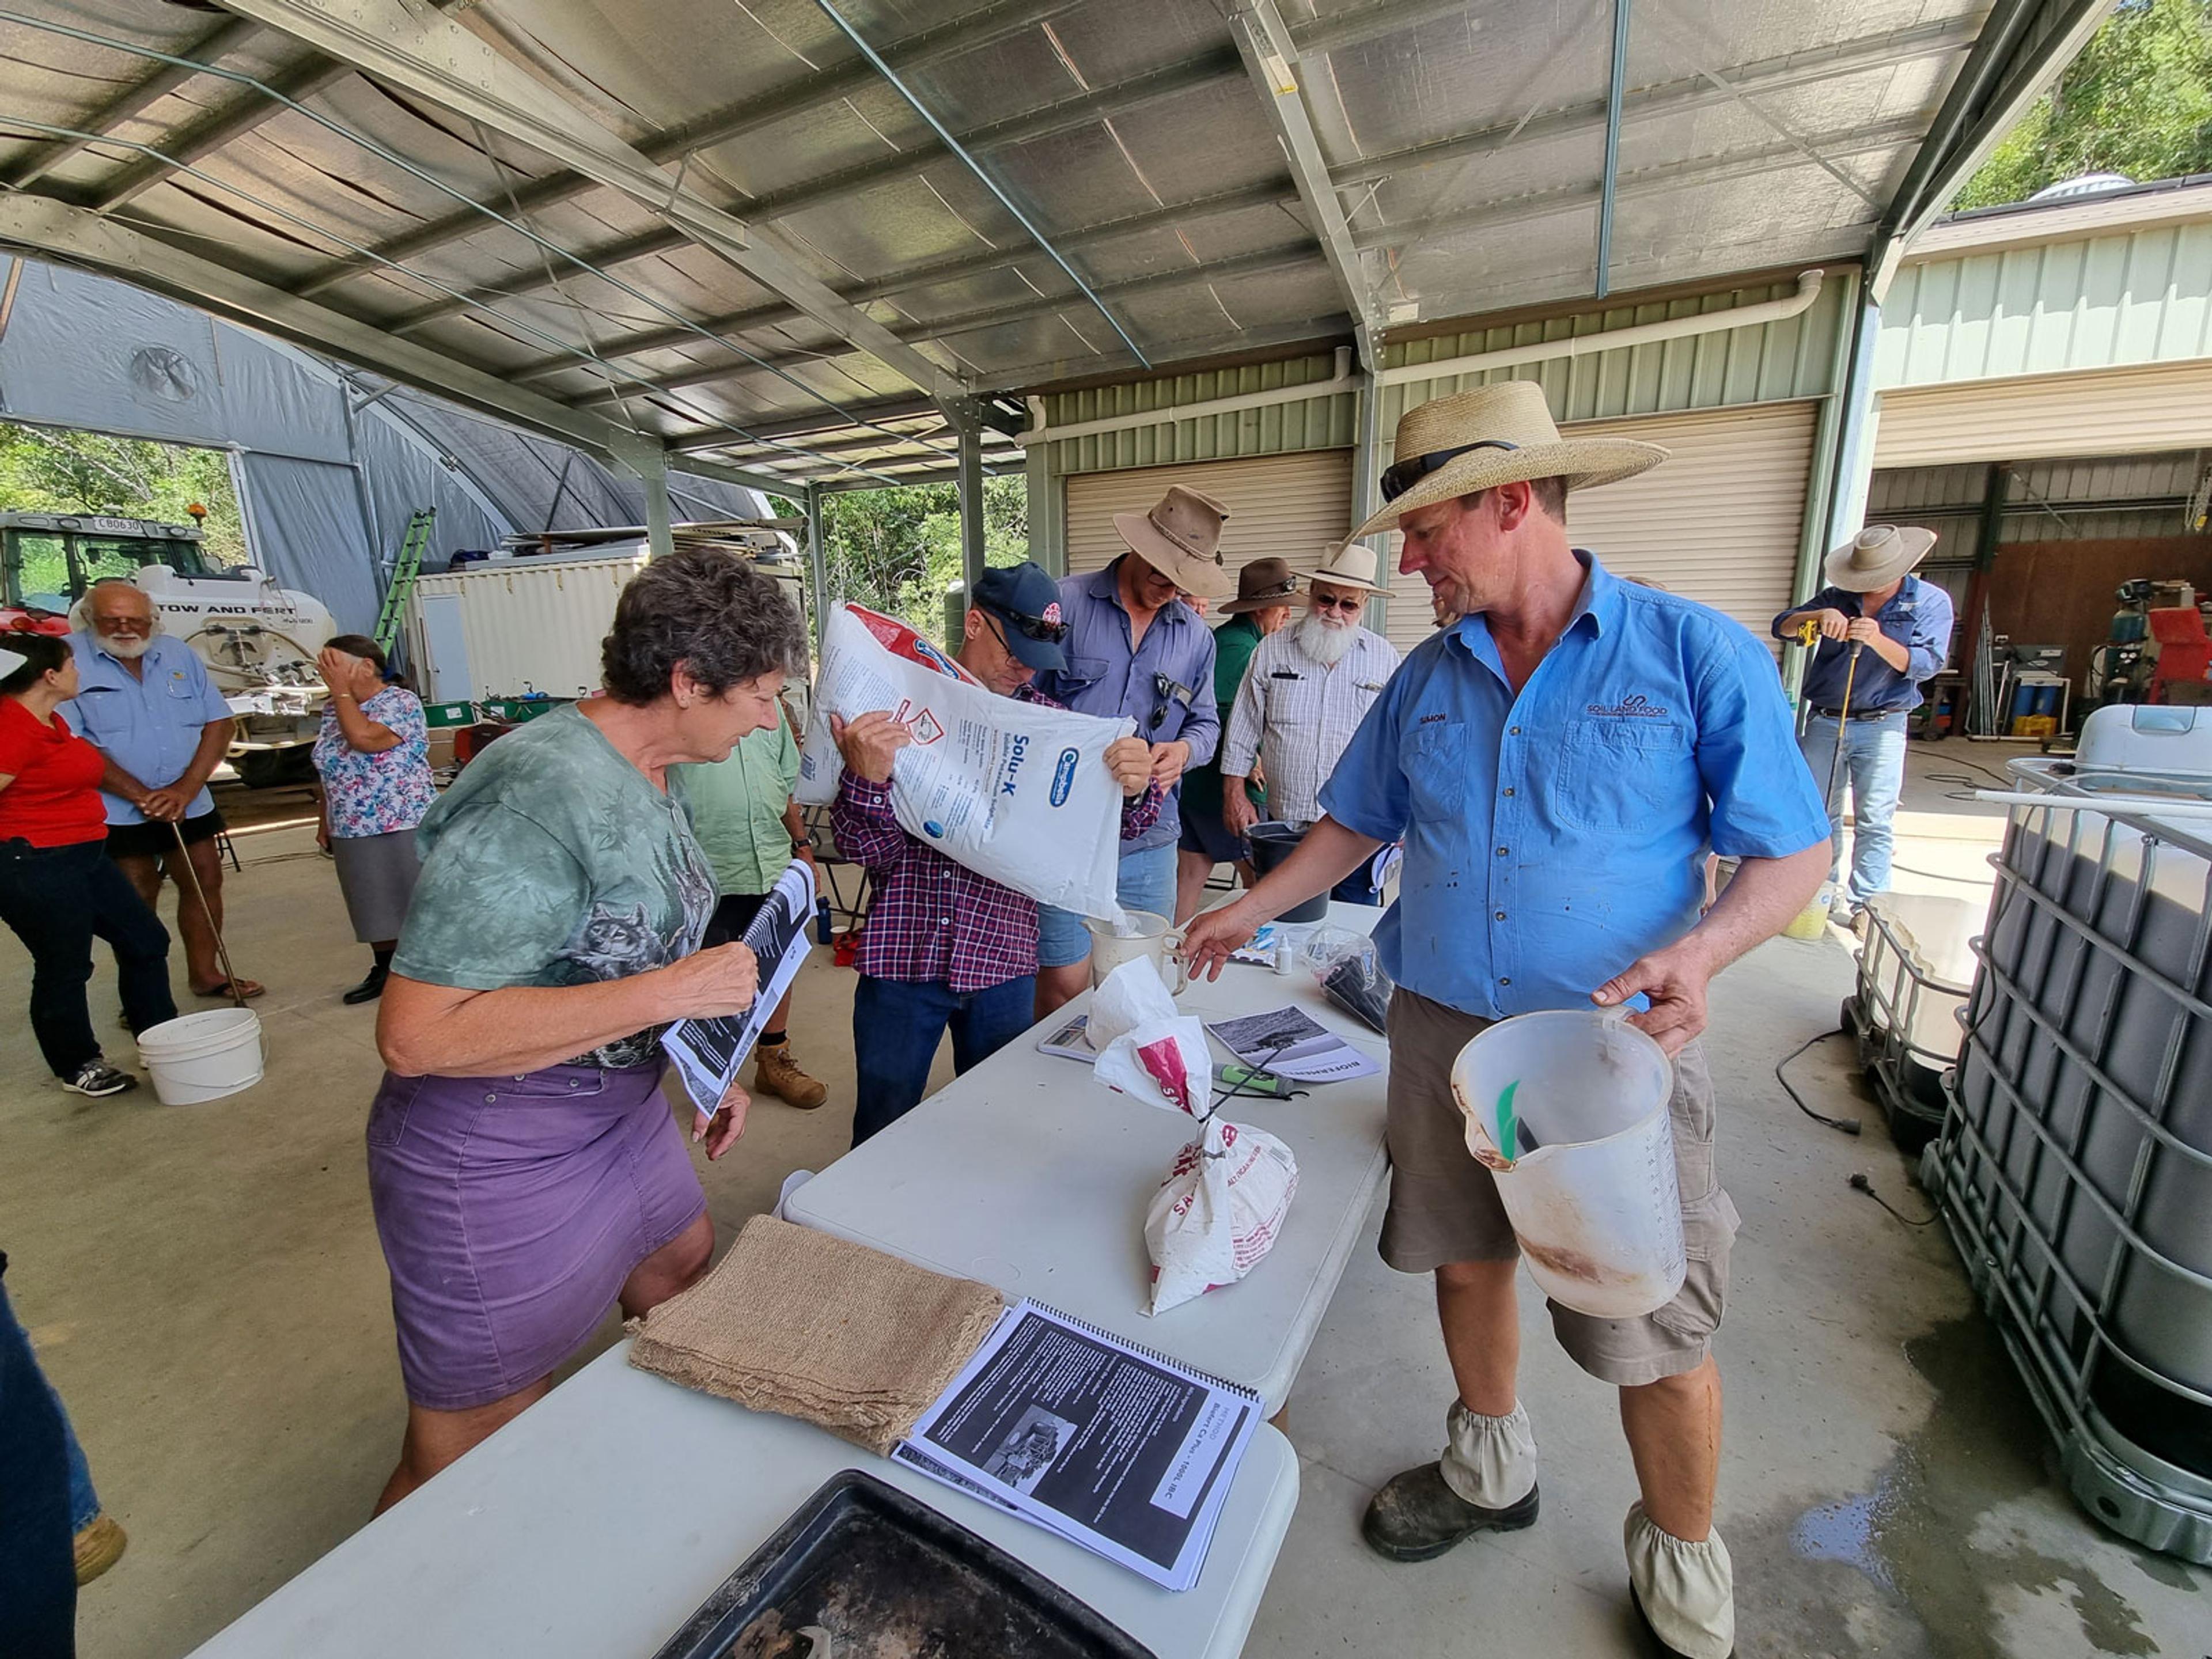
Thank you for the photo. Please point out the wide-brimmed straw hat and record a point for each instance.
(1349, 566)
(1261, 584)
(1878, 555)
(1495, 435)
(1180, 537)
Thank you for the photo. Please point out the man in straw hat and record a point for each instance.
(1882, 631)
(1266, 590)
(1135, 650)
(1556, 762)
(1309, 688)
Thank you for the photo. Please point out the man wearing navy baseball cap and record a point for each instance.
(945, 946)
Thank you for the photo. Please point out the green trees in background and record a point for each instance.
(898, 551)
(2138, 100)
(48, 470)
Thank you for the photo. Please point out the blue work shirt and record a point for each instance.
(149, 723)
(1105, 676)
(1918, 616)
(1554, 837)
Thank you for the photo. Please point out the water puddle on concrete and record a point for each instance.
(1895, 1570)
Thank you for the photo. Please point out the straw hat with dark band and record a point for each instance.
(1180, 538)
(1878, 555)
(1495, 435)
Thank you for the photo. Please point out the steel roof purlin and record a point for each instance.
(436, 58)
(1268, 52)
(226, 37)
(77, 236)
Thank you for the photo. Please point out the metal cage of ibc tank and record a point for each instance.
(2074, 1171)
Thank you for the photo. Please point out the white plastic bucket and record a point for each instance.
(1595, 1204)
(202, 1056)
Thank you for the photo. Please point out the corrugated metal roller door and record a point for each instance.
(1284, 507)
(2114, 411)
(1719, 521)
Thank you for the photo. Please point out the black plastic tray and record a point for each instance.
(889, 1578)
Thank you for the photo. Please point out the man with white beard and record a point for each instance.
(145, 702)
(1308, 687)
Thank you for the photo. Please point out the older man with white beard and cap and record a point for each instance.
(145, 702)
(1308, 687)
(1556, 760)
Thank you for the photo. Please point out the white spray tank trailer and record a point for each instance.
(259, 641)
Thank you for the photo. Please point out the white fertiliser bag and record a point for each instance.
(1218, 1211)
(1014, 791)
(1222, 1206)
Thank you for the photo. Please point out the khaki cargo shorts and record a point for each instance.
(1444, 1205)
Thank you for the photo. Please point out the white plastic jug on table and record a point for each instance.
(1133, 934)
(1568, 1111)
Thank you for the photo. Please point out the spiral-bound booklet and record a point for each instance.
(1123, 1450)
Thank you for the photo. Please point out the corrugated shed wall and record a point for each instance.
(1779, 362)
(1324, 423)
(2098, 302)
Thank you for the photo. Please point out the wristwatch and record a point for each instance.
(799, 846)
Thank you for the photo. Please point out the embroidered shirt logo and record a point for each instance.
(1635, 708)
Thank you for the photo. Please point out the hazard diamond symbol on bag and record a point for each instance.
(924, 727)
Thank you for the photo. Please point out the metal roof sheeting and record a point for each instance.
(1462, 143)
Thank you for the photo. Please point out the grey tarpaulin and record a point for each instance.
(323, 548)
(332, 463)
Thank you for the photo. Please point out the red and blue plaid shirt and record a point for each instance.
(933, 921)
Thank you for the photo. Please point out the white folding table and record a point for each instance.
(1030, 1174)
(593, 1524)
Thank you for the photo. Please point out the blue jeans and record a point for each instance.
(38, 1566)
(1147, 882)
(897, 1025)
(1872, 767)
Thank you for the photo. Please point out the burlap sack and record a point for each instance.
(811, 1326)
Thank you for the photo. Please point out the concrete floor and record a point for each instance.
(204, 1286)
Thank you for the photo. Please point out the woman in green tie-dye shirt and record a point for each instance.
(524, 1164)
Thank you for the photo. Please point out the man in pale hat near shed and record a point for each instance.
(1557, 761)
(1897, 628)
(1310, 687)
(1266, 591)
(1134, 649)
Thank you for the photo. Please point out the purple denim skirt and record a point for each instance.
(511, 1209)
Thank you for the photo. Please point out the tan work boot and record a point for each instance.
(777, 1073)
(99, 1548)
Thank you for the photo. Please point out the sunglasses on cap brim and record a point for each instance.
(1032, 627)
(1401, 476)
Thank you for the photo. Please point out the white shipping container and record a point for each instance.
(510, 628)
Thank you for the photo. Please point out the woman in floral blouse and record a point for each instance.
(374, 755)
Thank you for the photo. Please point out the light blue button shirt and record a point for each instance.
(149, 724)
(1107, 676)
(1553, 838)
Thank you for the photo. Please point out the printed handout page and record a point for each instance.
(1125, 1451)
(1290, 1042)
(708, 1054)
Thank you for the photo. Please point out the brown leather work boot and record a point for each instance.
(777, 1073)
(99, 1548)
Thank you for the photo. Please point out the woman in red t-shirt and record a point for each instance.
(58, 889)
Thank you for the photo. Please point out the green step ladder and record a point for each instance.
(404, 568)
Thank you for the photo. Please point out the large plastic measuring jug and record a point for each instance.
(1587, 1180)
(1139, 934)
